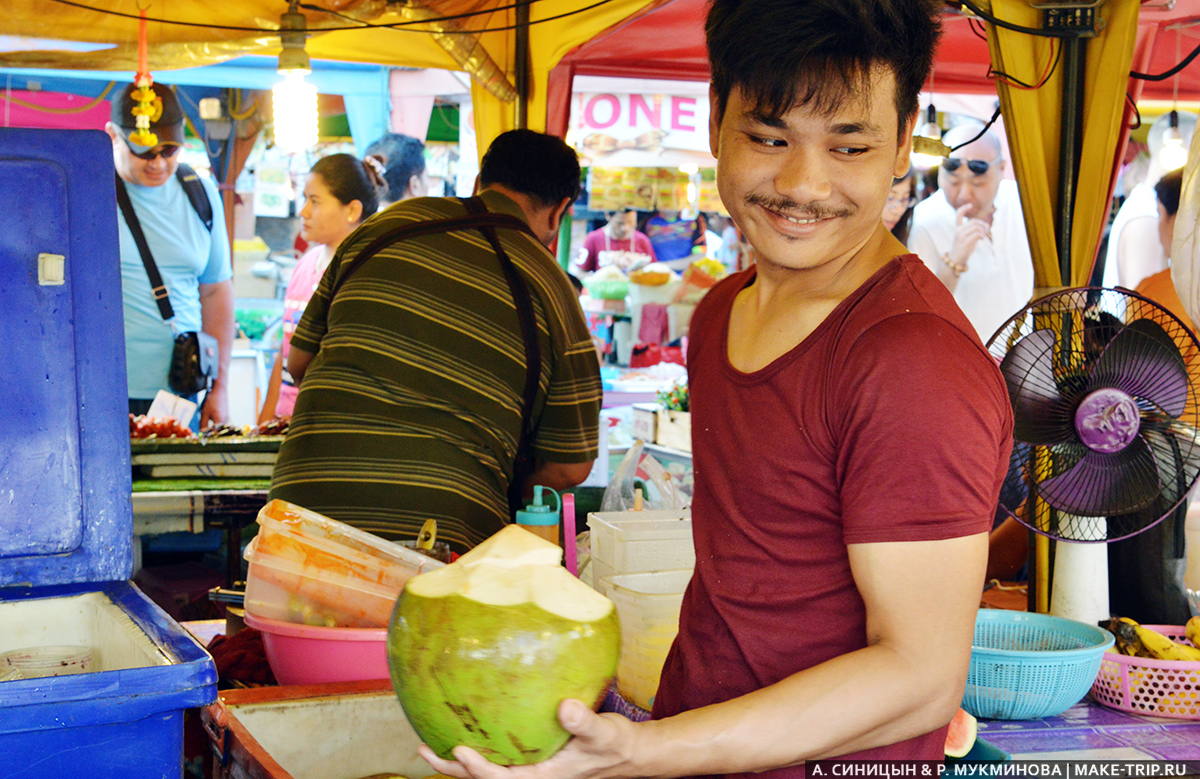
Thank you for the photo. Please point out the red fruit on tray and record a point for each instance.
(142, 426)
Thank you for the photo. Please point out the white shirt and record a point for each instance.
(1141, 203)
(998, 281)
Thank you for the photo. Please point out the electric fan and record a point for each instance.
(1105, 391)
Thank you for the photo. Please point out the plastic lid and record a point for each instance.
(66, 514)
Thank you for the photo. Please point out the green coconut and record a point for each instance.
(482, 651)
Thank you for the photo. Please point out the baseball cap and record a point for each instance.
(167, 124)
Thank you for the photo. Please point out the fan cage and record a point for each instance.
(1135, 493)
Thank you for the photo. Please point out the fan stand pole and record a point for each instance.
(1080, 589)
(1041, 574)
(1031, 588)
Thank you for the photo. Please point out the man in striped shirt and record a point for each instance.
(412, 362)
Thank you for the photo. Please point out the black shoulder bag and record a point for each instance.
(195, 358)
(479, 218)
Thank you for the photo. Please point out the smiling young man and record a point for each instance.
(849, 431)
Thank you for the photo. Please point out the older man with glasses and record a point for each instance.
(181, 237)
(971, 232)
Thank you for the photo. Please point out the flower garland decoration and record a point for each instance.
(147, 104)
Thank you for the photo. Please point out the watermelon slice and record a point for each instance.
(961, 735)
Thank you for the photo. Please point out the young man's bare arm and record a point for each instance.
(921, 599)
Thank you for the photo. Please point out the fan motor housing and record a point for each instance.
(1107, 420)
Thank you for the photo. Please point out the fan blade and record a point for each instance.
(1144, 361)
(1027, 461)
(1177, 459)
(1040, 414)
(1103, 484)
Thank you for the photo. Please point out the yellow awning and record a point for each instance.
(482, 44)
(1033, 118)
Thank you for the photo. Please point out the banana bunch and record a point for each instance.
(1139, 641)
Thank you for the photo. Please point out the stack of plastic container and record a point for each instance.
(322, 592)
(639, 541)
(643, 561)
(648, 606)
(66, 519)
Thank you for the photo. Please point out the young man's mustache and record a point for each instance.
(795, 210)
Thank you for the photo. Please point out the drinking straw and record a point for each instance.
(568, 519)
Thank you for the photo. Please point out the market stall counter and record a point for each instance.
(1090, 731)
(198, 484)
(212, 506)
(338, 729)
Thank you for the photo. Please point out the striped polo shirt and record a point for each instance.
(411, 406)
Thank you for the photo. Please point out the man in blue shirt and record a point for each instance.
(192, 259)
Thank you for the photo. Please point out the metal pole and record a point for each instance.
(521, 56)
(1074, 64)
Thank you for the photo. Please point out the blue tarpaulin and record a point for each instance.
(364, 88)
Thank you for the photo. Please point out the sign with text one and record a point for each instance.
(640, 129)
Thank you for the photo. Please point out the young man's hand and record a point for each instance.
(600, 747)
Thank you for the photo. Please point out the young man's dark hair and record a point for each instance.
(404, 157)
(1168, 190)
(753, 47)
(535, 164)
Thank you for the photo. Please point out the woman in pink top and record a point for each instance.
(340, 193)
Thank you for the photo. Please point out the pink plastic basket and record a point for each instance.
(1159, 688)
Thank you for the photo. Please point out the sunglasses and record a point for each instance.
(978, 167)
(166, 152)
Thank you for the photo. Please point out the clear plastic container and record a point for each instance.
(309, 569)
(648, 608)
(638, 541)
(36, 662)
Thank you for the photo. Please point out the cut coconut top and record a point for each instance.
(513, 567)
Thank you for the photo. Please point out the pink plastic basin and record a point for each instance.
(307, 654)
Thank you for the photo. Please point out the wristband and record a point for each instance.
(957, 268)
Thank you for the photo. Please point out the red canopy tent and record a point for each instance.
(667, 41)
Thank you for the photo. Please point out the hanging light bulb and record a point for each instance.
(294, 98)
(928, 149)
(1173, 154)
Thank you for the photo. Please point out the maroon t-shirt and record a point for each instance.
(598, 241)
(889, 422)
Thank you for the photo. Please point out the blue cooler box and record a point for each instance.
(66, 520)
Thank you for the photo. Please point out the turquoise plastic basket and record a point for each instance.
(1027, 666)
